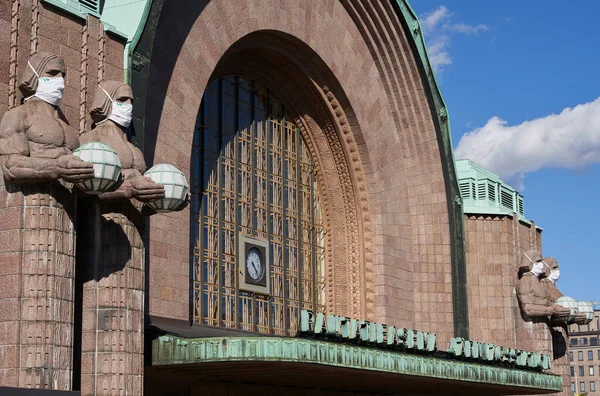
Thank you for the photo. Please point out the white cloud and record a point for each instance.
(438, 27)
(468, 29)
(569, 140)
(431, 20)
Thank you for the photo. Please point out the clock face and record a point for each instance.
(254, 264)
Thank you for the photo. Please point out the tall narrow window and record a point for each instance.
(254, 178)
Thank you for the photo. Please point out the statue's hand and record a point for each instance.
(145, 189)
(73, 170)
(560, 314)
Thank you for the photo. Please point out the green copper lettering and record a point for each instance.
(410, 339)
(364, 330)
(475, 350)
(344, 327)
(353, 330)
(431, 342)
(401, 337)
(331, 325)
(372, 332)
(306, 321)
(467, 348)
(320, 327)
(391, 335)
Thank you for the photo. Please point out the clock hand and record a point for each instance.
(254, 266)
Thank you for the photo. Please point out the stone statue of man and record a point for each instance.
(35, 141)
(111, 113)
(533, 296)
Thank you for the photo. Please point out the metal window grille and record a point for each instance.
(253, 175)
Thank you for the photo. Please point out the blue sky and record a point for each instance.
(521, 80)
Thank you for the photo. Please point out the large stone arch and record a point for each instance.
(374, 92)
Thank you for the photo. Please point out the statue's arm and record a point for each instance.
(531, 305)
(554, 294)
(135, 184)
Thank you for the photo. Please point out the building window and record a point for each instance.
(579, 355)
(582, 386)
(594, 341)
(572, 371)
(590, 355)
(581, 371)
(570, 356)
(583, 341)
(572, 386)
(591, 370)
(592, 386)
(597, 322)
(254, 177)
(573, 341)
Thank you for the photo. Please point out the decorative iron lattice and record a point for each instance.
(253, 175)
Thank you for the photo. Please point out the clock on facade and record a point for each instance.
(253, 259)
(254, 265)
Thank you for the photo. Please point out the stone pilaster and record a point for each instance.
(113, 302)
(37, 256)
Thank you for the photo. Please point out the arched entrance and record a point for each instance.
(255, 181)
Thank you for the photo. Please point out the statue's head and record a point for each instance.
(529, 258)
(112, 100)
(44, 64)
(553, 272)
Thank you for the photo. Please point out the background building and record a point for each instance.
(584, 356)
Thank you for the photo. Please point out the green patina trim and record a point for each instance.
(170, 350)
(71, 7)
(453, 197)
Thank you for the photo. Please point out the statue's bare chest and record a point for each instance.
(123, 151)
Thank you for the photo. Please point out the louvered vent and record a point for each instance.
(492, 192)
(481, 191)
(465, 190)
(506, 199)
(521, 209)
(92, 5)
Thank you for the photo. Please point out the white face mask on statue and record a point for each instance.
(121, 113)
(537, 268)
(49, 89)
(554, 275)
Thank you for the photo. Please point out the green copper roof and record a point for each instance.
(124, 18)
(483, 192)
(172, 350)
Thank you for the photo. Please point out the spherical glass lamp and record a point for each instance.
(569, 302)
(586, 309)
(176, 187)
(107, 167)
